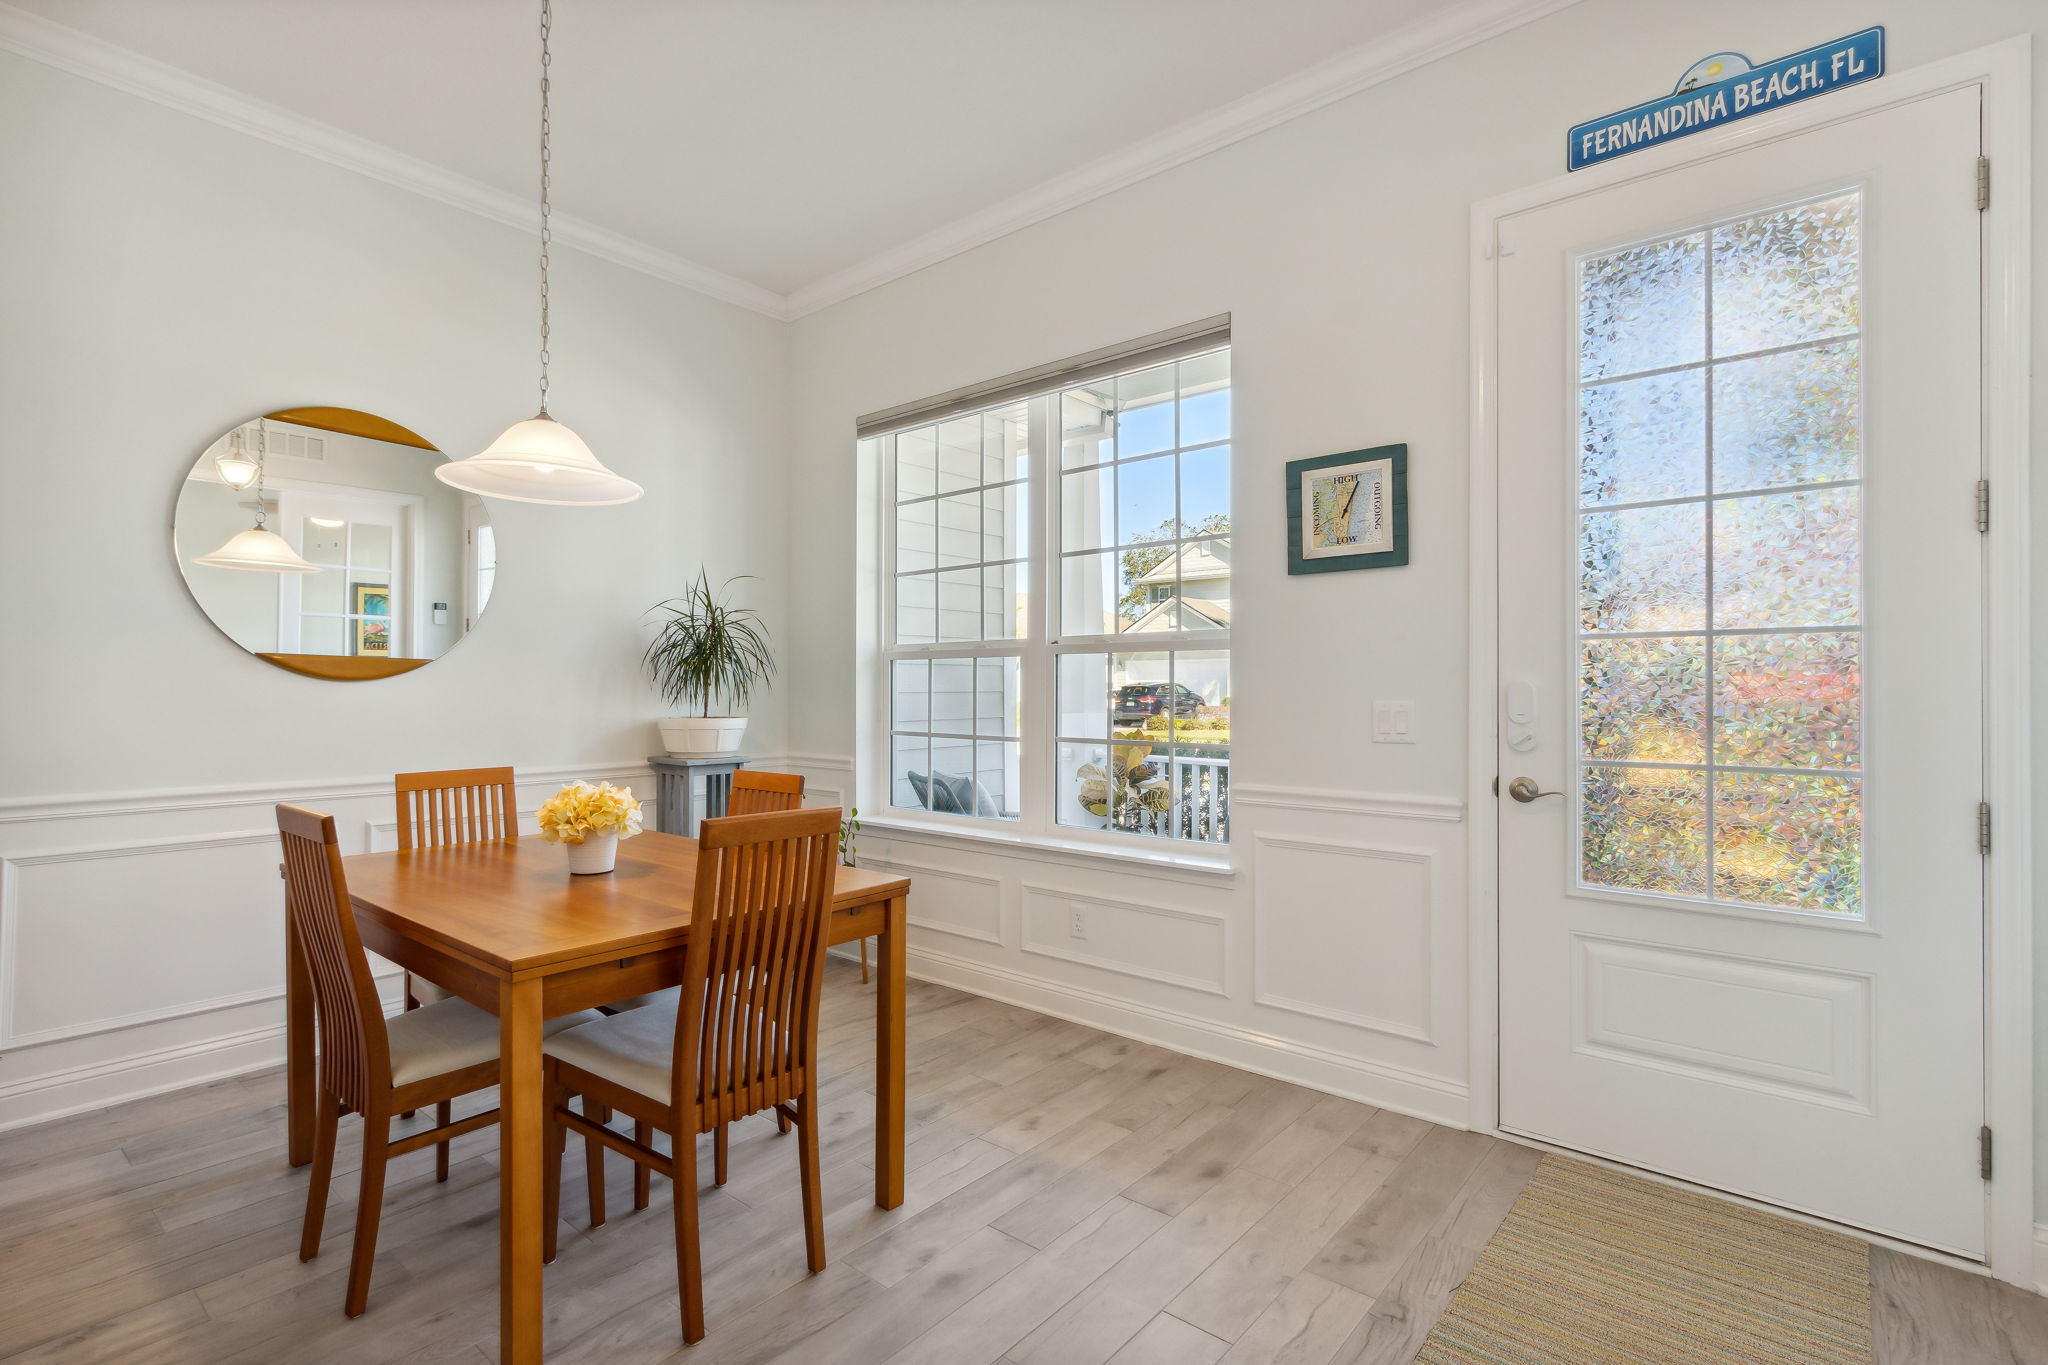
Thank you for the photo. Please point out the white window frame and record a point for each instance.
(1040, 648)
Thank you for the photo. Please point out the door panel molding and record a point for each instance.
(1631, 999)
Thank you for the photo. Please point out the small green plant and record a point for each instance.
(708, 650)
(849, 831)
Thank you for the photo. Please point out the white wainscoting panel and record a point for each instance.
(108, 936)
(142, 933)
(960, 904)
(1327, 967)
(1795, 1031)
(1179, 946)
(1345, 931)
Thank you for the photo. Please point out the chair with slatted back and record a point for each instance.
(751, 793)
(754, 792)
(458, 806)
(368, 1065)
(742, 1036)
(759, 793)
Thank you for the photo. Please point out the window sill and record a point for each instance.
(1080, 851)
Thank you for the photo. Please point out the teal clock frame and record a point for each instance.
(1384, 559)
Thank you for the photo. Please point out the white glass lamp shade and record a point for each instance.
(236, 469)
(258, 549)
(539, 460)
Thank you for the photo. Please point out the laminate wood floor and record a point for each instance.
(1074, 1198)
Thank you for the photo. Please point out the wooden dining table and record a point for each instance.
(504, 925)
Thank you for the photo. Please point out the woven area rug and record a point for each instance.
(1597, 1268)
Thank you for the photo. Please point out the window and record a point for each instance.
(354, 605)
(1719, 562)
(1068, 672)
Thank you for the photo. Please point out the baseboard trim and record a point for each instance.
(2041, 1258)
(1439, 1099)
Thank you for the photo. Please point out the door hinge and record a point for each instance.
(1983, 826)
(1983, 183)
(1983, 504)
(1984, 1152)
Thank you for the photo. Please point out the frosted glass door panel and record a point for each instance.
(1719, 562)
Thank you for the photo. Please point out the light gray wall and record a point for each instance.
(172, 278)
(167, 278)
(1339, 243)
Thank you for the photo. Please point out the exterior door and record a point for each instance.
(1741, 649)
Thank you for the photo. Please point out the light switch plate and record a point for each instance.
(1393, 722)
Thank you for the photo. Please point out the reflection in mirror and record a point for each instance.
(320, 540)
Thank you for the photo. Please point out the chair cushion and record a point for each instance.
(427, 993)
(450, 1035)
(635, 1049)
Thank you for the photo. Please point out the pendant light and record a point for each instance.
(236, 467)
(258, 548)
(539, 459)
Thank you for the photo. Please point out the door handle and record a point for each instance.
(1524, 790)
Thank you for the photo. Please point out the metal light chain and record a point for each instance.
(547, 23)
(262, 449)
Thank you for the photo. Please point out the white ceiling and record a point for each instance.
(790, 144)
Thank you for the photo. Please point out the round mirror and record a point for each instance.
(319, 539)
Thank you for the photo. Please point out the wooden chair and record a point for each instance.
(759, 793)
(458, 806)
(745, 1042)
(755, 792)
(752, 793)
(369, 1066)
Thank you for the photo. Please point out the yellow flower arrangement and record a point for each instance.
(580, 809)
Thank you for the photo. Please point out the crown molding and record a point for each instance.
(67, 49)
(1451, 28)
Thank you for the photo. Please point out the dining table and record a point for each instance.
(504, 925)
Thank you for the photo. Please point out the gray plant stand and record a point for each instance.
(677, 798)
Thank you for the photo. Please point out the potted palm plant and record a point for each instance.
(707, 651)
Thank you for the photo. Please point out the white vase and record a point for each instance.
(701, 736)
(597, 853)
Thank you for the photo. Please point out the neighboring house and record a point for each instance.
(1189, 590)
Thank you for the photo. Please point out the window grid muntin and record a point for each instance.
(348, 569)
(1708, 633)
(1175, 546)
(1180, 788)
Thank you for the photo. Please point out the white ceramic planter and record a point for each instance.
(597, 853)
(701, 736)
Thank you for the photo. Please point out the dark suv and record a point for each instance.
(1135, 701)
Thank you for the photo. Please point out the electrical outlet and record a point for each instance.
(1393, 722)
(1080, 926)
